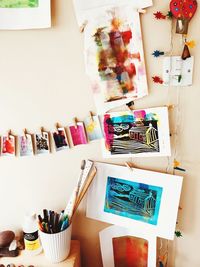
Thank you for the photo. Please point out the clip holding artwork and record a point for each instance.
(8, 145)
(26, 145)
(42, 143)
(60, 139)
(114, 57)
(93, 128)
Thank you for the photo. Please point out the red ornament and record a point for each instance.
(159, 15)
(157, 79)
(183, 9)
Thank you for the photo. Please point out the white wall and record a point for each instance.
(42, 81)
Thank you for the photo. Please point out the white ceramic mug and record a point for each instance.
(56, 246)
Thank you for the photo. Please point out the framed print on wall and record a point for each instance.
(136, 199)
(127, 247)
(25, 14)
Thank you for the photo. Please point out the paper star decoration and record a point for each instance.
(159, 15)
(178, 233)
(158, 53)
(157, 79)
(191, 44)
(169, 15)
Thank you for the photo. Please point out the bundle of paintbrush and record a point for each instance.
(53, 222)
(87, 174)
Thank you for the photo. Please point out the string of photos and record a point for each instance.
(81, 133)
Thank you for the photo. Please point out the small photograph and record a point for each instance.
(8, 145)
(42, 143)
(78, 134)
(60, 139)
(93, 128)
(26, 145)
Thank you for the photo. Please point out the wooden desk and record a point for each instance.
(73, 259)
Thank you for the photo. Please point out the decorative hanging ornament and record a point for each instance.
(158, 53)
(186, 52)
(183, 11)
(157, 79)
(159, 15)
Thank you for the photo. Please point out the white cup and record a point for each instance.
(56, 246)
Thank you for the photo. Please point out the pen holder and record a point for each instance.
(56, 246)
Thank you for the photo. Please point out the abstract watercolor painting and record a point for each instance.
(121, 247)
(60, 139)
(25, 14)
(135, 199)
(18, 3)
(93, 128)
(83, 8)
(138, 133)
(130, 251)
(78, 134)
(42, 143)
(114, 57)
(8, 145)
(26, 145)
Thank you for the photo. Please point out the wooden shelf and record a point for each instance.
(73, 259)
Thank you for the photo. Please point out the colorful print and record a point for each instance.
(26, 145)
(133, 200)
(131, 133)
(183, 9)
(8, 145)
(42, 143)
(78, 134)
(93, 128)
(18, 3)
(60, 139)
(130, 251)
(115, 58)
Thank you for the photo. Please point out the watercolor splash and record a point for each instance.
(115, 62)
(130, 251)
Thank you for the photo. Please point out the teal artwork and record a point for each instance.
(133, 200)
(19, 3)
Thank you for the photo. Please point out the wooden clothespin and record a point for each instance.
(57, 125)
(130, 105)
(128, 165)
(10, 133)
(91, 116)
(82, 27)
(142, 11)
(76, 122)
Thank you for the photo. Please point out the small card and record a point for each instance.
(8, 145)
(26, 145)
(78, 134)
(93, 128)
(42, 143)
(60, 139)
(177, 72)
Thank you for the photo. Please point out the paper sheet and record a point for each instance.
(145, 201)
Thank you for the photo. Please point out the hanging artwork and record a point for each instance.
(26, 145)
(177, 72)
(93, 128)
(83, 8)
(78, 134)
(42, 143)
(114, 57)
(24, 14)
(135, 199)
(139, 133)
(60, 139)
(8, 145)
(122, 247)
